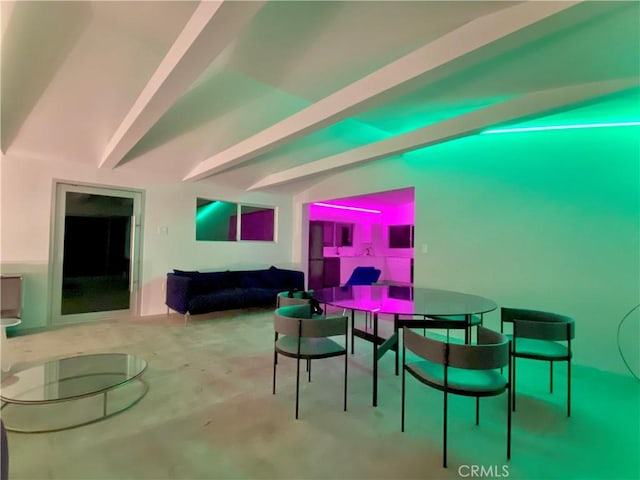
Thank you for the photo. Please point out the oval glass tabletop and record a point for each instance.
(72, 377)
(404, 300)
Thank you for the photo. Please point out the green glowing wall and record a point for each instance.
(213, 221)
(545, 220)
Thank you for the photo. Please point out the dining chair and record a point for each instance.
(295, 297)
(299, 297)
(539, 335)
(460, 369)
(302, 335)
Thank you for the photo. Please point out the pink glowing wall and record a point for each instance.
(371, 231)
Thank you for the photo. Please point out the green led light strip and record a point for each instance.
(561, 127)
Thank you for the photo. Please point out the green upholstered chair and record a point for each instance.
(293, 298)
(303, 336)
(539, 335)
(460, 369)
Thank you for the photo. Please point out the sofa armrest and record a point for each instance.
(178, 292)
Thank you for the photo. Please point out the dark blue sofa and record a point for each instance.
(204, 292)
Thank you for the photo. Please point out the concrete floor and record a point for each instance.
(210, 414)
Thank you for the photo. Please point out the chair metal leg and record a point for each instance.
(275, 362)
(353, 322)
(444, 433)
(345, 379)
(501, 331)
(403, 398)
(508, 420)
(513, 387)
(467, 329)
(297, 383)
(550, 377)
(374, 320)
(395, 331)
(477, 410)
(510, 370)
(569, 388)
(309, 368)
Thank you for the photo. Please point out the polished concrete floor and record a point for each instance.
(210, 414)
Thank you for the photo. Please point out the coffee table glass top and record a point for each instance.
(404, 300)
(70, 378)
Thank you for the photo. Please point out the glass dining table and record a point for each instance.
(411, 307)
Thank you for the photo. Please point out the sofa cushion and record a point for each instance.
(209, 282)
(275, 278)
(234, 278)
(226, 299)
(251, 279)
(259, 297)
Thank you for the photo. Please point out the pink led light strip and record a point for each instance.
(343, 207)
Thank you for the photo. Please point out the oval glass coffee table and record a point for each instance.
(70, 380)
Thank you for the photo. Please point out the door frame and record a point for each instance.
(56, 251)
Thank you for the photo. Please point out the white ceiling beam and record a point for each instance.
(458, 43)
(520, 108)
(6, 11)
(213, 25)
(37, 38)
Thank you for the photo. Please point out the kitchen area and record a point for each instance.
(344, 234)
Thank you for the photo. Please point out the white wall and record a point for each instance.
(541, 220)
(545, 220)
(174, 206)
(362, 225)
(27, 192)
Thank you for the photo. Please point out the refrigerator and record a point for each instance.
(323, 271)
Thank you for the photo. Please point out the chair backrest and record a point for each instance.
(10, 296)
(297, 321)
(364, 276)
(539, 325)
(424, 347)
(296, 298)
(491, 352)
(295, 311)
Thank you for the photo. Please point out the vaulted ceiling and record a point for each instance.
(269, 94)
